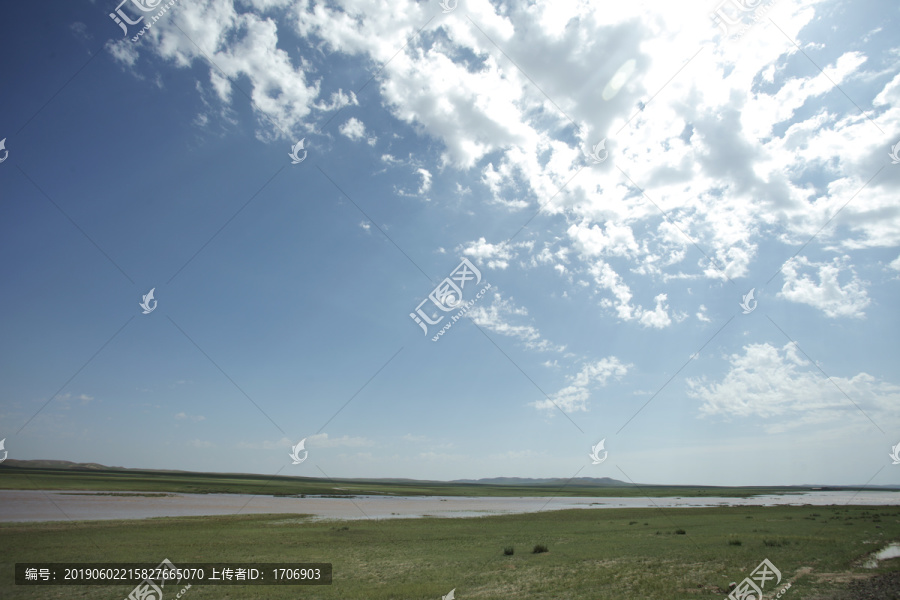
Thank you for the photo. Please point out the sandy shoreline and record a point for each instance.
(65, 505)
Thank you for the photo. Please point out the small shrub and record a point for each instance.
(632, 522)
(776, 543)
(734, 542)
(508, 551)
(538, 548)
(680, 531)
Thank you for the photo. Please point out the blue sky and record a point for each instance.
(753, 159)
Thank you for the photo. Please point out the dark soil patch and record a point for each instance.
(885, 586)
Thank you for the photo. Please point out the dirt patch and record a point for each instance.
(843, 578)
(885, 586)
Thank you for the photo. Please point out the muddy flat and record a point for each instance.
(52, 505)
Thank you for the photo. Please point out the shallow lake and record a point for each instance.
(50, 505)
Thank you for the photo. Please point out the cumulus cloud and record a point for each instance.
(613, 239)
(426, 180)
(495, 256)
(241, 46)
(696, 162)
(605, 277)
(353, 128)
(424, 176)
(779, 383)
(827, 295)
(659, 316)
(702, 316)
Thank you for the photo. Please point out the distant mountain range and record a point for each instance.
(73, 466)
(503, 481)
(575, 482)
(578, 481)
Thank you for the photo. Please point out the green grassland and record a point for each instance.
(592, 554)
(219, 483)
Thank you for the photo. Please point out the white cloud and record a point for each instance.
(426, 180)
(828, 295)
(574, 397)
(184, 416)
(658, 317)
(769, 382)
(701, 315)
(241, 45)
(607, 278)
(80, 30)
(353, 128)
(723, 165)
(64, 399)
(264, 5)
(498, 318)
(496, 256)
(123, 51)
(614, 239)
